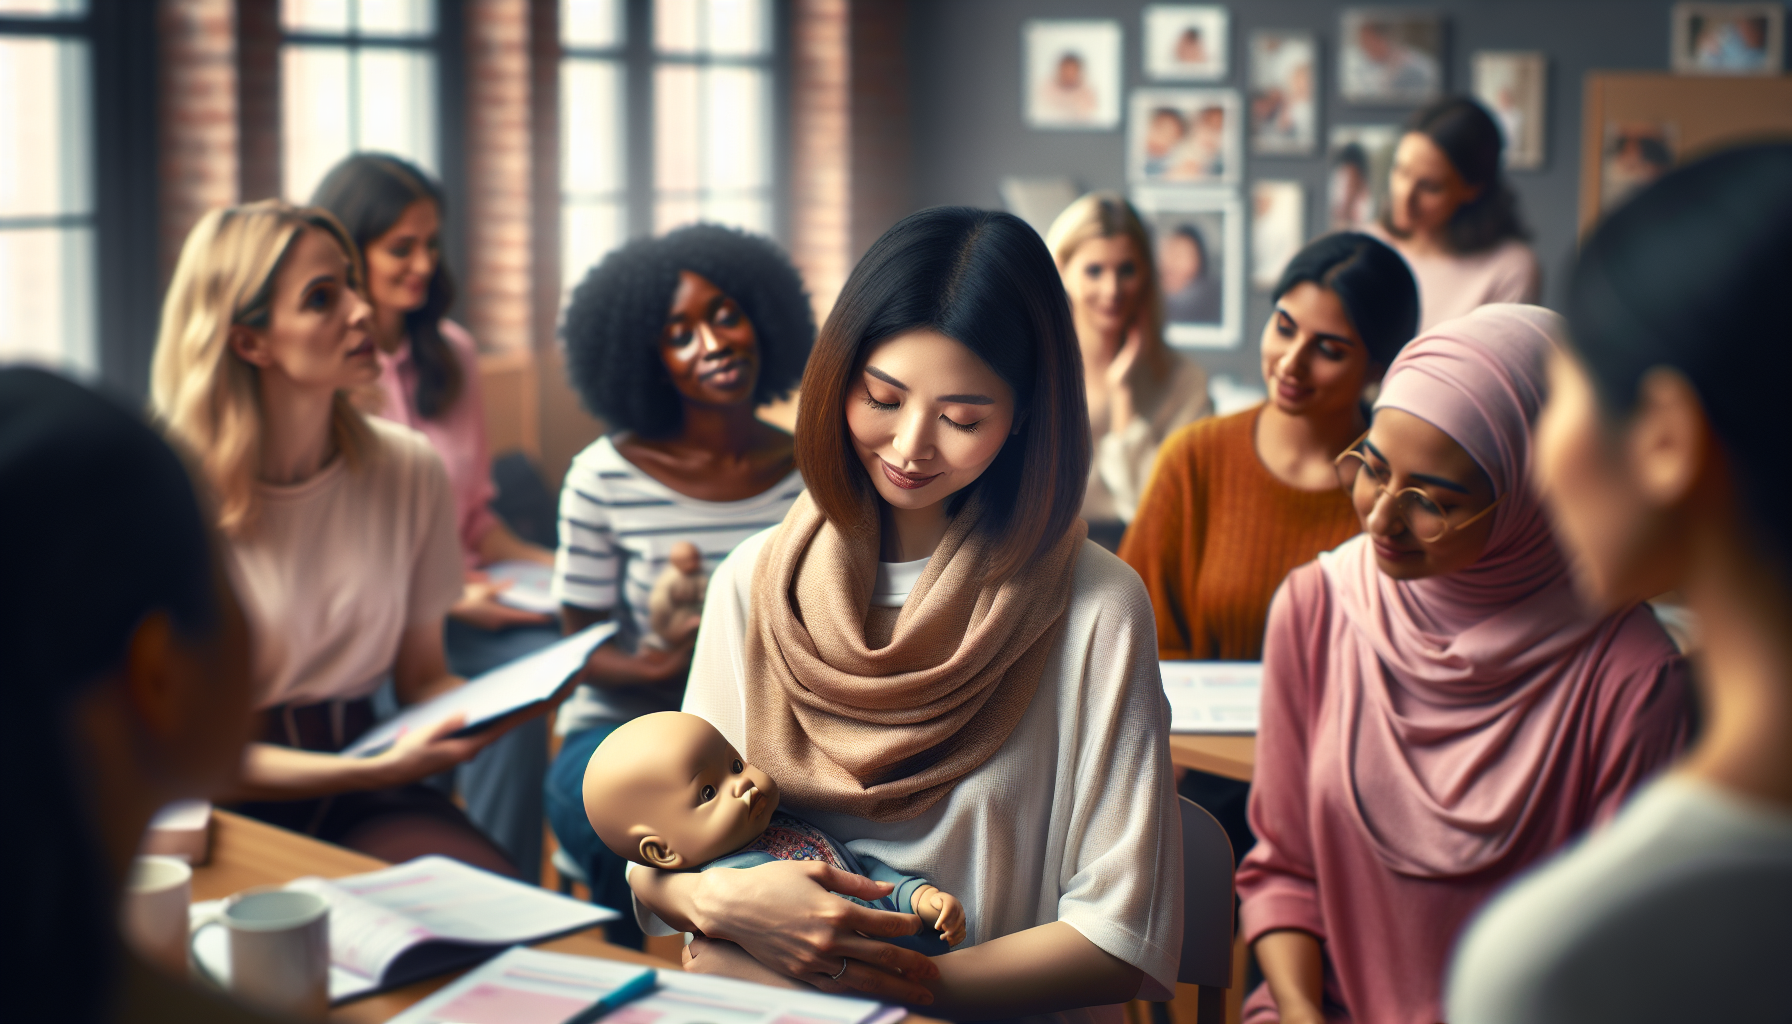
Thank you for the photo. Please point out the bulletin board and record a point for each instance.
(1703, 112)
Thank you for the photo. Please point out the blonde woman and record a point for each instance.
(340, 529)
(1139, 389)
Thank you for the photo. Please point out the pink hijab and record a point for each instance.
(1463, 681)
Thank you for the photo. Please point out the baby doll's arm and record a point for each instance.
(941, 910)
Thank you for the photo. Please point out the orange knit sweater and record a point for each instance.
(1215, 535)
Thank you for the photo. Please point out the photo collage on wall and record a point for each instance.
(1188, 131)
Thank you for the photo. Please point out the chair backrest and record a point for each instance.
(1207, 899)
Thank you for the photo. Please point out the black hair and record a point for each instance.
(1473, 142)
(1352, 154)
(113, 532)
(1193, 234)
(368, 193)
(613, 324)
(1370, 279)
(986, 280)
(1683, 276)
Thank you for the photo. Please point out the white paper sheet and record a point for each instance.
(529, 986)
(1213, 696)
(527, 680)
(530, 584)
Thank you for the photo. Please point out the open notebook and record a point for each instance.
(532, 679)
(529, 986)
(413, 920)
(1213, 696)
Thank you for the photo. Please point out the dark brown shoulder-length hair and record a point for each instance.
(985, 280)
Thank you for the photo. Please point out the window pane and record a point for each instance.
(52, 8)
(336, 101)
(596, 24)
(734, 28)
(588, 231)
(45, 163)
(677, 127)
(591, 133)
(397, 105)
(314, 127)
(314, 15)
(46, 298)
(712, 154)
(396, 17)
(736, 131)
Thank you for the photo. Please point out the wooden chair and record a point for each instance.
(1207, 909)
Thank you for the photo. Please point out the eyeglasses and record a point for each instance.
(1414, 507)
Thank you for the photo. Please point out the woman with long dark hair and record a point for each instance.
(429, 381)
(1453, 215)
(126, 687)
(932, 661)
(1662, 455)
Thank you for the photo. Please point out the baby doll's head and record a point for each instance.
(685, 557)
(667, 791)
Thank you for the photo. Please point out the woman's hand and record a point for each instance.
(479, 606)
(420, 754)
(609, 665)
(786, 916)
(1120, 383)
(1294, 966)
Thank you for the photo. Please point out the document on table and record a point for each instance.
(530, 986)
(532, 679)
(420, 918)
(1213, 696)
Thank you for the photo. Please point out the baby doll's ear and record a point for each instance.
(656, 853)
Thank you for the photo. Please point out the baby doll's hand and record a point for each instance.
(945, 911)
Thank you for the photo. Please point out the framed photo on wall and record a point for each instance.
(1511, 85)
(1198, 235)
(1357, 162)
(1185, 137)
(1186, 42)
(1278, 229)
(1070, 76)
(1729, 39)
(1283, 69)
(1390, 55)
(1635, 153)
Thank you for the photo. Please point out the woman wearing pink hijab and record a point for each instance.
(1439, 711)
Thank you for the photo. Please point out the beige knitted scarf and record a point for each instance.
(879, 713)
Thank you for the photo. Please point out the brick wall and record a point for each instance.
(199, 116)
(498, 217)
(821, 147)
(258, 97)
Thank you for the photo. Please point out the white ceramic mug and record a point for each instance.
(279, 949)
(155, 911)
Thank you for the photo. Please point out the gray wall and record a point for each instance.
(968, 131)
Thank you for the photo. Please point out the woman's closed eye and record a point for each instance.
(969, 428)
(871, 400)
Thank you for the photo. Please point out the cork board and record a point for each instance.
(1634, 121)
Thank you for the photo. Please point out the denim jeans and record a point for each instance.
(564, 794)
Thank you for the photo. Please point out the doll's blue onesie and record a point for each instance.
(790, 838)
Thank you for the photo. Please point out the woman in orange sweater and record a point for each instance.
(1236, 502)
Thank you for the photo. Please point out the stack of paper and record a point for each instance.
(1212, 696)
(417, 919)
(529, 986)
(529, 588)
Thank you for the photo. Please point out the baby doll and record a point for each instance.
(675, 604)
(668, 791)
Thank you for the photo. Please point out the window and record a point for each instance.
(666, 118)
(47, 224)
(355, 75)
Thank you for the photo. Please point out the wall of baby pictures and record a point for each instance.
(1243, 130)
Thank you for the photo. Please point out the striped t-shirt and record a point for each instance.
(617, 526)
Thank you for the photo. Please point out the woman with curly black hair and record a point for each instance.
(674, 342)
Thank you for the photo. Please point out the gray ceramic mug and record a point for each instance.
(279, 949)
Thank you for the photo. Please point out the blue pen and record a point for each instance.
(636, 987)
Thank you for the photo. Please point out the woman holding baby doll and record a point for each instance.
(674, 342)
(927, 627)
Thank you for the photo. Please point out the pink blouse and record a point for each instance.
(1387, 936)
(458, 434)
(1453, 286)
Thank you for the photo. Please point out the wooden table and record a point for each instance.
(247, 853)
(1230, 756)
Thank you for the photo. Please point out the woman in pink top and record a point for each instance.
(429, 381)
(1439, 711)
(1451, 213)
